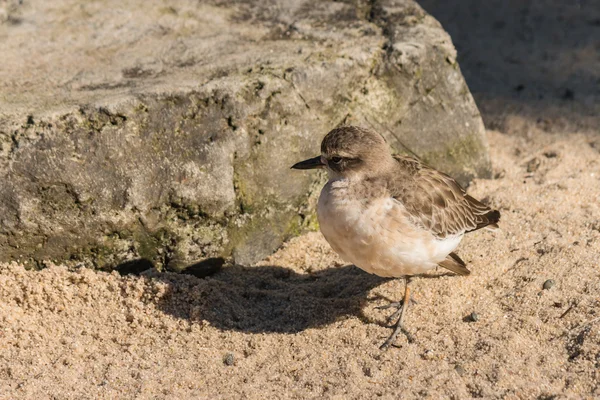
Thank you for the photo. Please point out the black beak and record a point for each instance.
(311, 163)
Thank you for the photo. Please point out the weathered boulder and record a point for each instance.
(134, 128)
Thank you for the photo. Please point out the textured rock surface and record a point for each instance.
(165, 131)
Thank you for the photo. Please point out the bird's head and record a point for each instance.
(350, 151)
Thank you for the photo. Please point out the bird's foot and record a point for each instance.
(390, 341)
(397, 305)
(399, 313)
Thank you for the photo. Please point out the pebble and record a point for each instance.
(229, 359)
(473, 317)
(548, 284)
(205, 268)
(533, 164)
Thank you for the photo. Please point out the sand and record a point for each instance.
(302, 324)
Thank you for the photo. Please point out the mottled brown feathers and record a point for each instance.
(349, 140)
(436, 202)
(433, 199)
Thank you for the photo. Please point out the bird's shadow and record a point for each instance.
(267, 298)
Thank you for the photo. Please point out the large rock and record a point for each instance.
(134, 128)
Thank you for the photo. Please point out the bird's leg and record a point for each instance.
(400, 314)
(398, 305)
(395, 304)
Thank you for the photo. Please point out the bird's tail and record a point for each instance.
(455, 264)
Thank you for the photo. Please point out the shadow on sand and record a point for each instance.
(521, 46)
(527, 56)
(265, 298)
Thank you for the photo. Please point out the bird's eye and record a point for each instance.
(336, 160)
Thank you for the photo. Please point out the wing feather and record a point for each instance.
(436, 202)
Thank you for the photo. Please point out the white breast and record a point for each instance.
(378, 237)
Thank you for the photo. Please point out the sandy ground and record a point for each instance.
(301, 324)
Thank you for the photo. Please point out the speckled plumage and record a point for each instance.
(391, 215)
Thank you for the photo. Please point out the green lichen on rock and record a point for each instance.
(459, 152)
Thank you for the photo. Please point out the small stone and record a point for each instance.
(134, 267)
(205, 268)
(548, 284)
(533, 164)
(460, 370)
(229, 359)
(473, 317)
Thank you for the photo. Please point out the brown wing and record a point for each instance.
(437, 203)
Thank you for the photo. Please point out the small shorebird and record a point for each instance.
(391, 215)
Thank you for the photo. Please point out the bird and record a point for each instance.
(392, 215)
